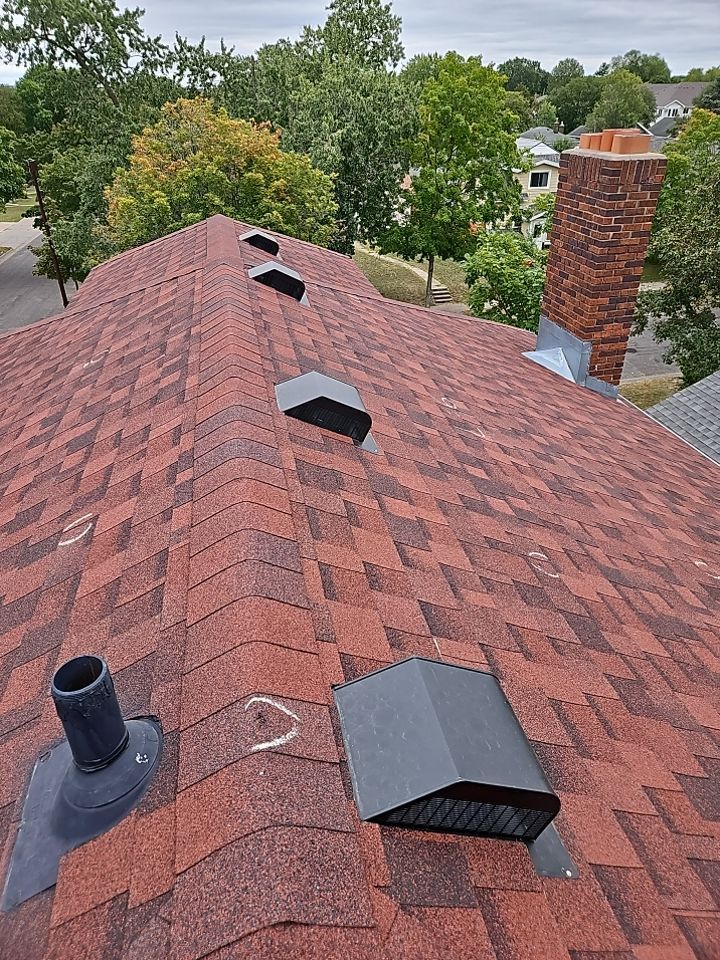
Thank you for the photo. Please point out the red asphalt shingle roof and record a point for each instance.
(235, 552)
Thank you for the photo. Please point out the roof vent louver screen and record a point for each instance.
(263, 241)
(318, 399)
(434, 746)
(280, 278)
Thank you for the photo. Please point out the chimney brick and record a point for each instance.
(603, 214)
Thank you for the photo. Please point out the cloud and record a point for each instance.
(546, 30)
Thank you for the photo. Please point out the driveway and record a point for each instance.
(24, 298)
(644, 358)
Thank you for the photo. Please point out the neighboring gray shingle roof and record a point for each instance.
(664, 127)
(694, 415)
(685, 93)
(579, 131)
(539, 133)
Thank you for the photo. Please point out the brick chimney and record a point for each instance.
(607, 194)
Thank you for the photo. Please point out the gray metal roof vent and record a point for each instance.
(263, 241)
(318, 399)
(434, 746)
(86, 784)
(280, 278)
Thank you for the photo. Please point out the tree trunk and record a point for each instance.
(428, 287)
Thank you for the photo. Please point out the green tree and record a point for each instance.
(544, 204)
(91, 35)
(12, 177)
(419, 70)
(355, 123)
(524, 74)
(11, 115)
(506, 277)
(564, 71)
(709, 99)
(686, 243)
(195, 162)
(650, 67)
(545, 114)
(624, 102)
(699, 74)
(464, 155)
(365, 31)
(520, 104)
(576, 100)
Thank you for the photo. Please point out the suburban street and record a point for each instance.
(24, 298)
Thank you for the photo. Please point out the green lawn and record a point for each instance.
(645, 393)
(452, 274)
(391, 279)
(651, 272)
(4, 250)
(14, 211)
(400, 283)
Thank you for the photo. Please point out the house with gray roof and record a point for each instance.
(693, 414)
(675, 99)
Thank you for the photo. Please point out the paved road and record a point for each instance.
(644, 358)
(24, 298)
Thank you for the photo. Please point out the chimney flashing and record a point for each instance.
(561, 352)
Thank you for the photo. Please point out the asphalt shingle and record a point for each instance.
(232, 563)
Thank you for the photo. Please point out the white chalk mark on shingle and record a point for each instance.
(701, 563)
(536, 555)
(91, 363)
(447, 402)
(78, 536)
(285, 737)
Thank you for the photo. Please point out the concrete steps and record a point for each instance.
(441, 294)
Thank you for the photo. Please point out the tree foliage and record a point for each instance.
(686, 243)
(355, 123)
(576, 99)
(545, 113)
(91, 35)
(563, 72)
(11, 115)
(195, 162)
(418, 70)
(12, 177)
(709, 99)
(365, 31)
(650, 67)
(624, 102)
(464, 155)
(545, 205)
(521, 105)
(506, 276)
(524, 74)
(699, 74)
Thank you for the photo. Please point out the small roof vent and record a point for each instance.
(318, 399)
(434, 746)
(86, 784)
(263, 241)
(280, 278)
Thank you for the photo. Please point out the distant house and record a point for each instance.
(675, 99)
(541, 178)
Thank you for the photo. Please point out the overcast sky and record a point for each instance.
(685, 32)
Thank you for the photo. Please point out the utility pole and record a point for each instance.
(33, 171)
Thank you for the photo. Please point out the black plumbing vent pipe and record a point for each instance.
(85, 700)
(263, 241)
(84, 785)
